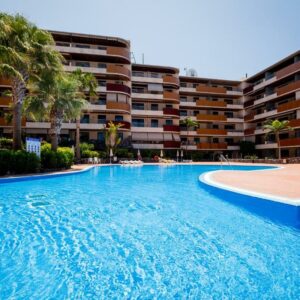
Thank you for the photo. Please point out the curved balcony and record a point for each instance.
(203, 117)
(171, 144)
(210, 89)
(167, 79)
(119, 70)
(171, 111)
(288, 70)
(288, 106)
(249, 117)
(117, 51)
(125, 124)
(5, 101)
(294, 123)
(208, 131)
(118, 106)
(171, 96)
(115, 87)
(175, 128)
(249, 131)
(212, 146)
(291, 87)
(204, 102)
(291, 142)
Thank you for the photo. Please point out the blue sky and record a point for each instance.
(218, 38)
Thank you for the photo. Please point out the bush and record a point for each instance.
(18, 162)
(86, 146)
(102, 154)
(6, 143)
(89, 153)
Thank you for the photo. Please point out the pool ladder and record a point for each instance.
(222, 159)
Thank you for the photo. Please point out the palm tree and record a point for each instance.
(189, 123)
(25, 51)
(55, 98)
(112, 140)
(88, 83)
(275, 127)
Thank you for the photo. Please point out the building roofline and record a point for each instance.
(272, 66)
(176, 70)
(210, 79)
(92, 36)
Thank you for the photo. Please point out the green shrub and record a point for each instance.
(6, 143)
(102, 154)
(18, 162)
(86, 146)
(89, 153)
(65, 157)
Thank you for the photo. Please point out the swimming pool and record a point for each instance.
(140, 233)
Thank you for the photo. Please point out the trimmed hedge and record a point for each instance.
(18, 162)
(6, 143)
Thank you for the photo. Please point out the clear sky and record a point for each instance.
(218, 38)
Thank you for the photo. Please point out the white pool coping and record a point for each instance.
(207, 178)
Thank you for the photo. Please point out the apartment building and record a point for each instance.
(150, 101)
(274, 93)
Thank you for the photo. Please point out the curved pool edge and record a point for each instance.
(43, 176)
(207, 179)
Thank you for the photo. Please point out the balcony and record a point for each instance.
(249, 131)
(5, 101)
(171, 96)
(291, 142)
(115, 87)
(118, 106)
(4, 81)
(175, 128)
(208, 131)
(288, 70)
(204, 102)
(117, 51)
(167, 79)
(119, 70)
(249, 117)
(171, 111)
(211, 89)
(211, 117)
(288, 106)
(248, 89)
(125, 124)
(171, 144)
(294, 123)
(212, 146)
(293, 86)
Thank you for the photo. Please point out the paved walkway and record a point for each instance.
(283, 182)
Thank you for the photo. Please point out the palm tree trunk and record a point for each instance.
(18, 95)
(278, 145)
(77, 146)
(55, 128)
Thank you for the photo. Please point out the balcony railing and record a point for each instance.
(288, 70)
(117, 51)
(204, 102)
(203, 117)
(118, 106)
(294, 123)
(212, 146)
(249, 117)
(248, 89)
(125, 124)
(167, 79)
(288, 88)
(171, 96)
(118, 70)
(171, 111)
(211, 89)
(290, 142)
(288, 106)
(249, 131)
(211, 131)
(5, 101)
(171, 144)
(115, 87)
(175, 128)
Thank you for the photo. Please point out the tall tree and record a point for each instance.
(112, 140)
(188, 123)
(276, 127)
(88, 83)
(25, 52)
(55, 99)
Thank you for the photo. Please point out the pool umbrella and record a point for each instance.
(177, 155)
(139, 157)
(161, 153)
(110, 154)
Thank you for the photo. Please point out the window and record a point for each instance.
(183, 113)
(102, 83)
(229, 141)
(183, 99)
(101, 48)
(101, 119)
(228, 114)
(215, 113)
(82, 46)
(215, 126)
(102, 100)
(154, 123)
(118, 118)
(197, 140)
(169, 106)
(63, 44)
(229, 127)
(154, 106)
(85, 119)
(138, 122)
(82, 64)
(100, 136)
(183, 84)
(138, 106)
(215, 140)
(196, 112)
(169, 122)
(102, 66)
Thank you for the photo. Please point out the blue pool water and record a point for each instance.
(140, 233)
